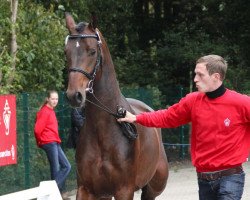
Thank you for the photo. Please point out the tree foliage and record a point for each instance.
(153, 43)
(40, 37)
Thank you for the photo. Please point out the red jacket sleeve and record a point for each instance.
(176, 115)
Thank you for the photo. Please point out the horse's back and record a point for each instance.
(139, 106)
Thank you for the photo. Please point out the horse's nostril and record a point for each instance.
(78, 97)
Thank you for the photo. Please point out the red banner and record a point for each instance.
(8, 148)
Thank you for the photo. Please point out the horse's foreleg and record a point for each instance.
(83, 194)
(124, 194)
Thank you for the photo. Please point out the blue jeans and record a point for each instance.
(226, 188)
(59, 164)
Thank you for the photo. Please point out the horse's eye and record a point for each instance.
(92, 52)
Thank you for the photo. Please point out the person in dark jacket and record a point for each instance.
(77, 120)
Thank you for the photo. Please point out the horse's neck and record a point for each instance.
(108, 85)
(108, 89)
(106, 96)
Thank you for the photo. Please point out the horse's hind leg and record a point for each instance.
(157, 184)
(148, 193)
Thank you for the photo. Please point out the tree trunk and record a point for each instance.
(13, 7)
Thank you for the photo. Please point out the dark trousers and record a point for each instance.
(59, 164)
(225, 188)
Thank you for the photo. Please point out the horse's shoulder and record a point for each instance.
(138, 106)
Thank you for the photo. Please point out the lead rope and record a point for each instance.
(102, 107)
(128, 129)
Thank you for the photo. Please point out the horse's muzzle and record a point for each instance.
(76, 99)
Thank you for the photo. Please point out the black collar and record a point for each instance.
(216, 93)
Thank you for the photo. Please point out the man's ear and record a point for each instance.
(217, 76)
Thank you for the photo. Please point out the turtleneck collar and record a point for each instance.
(216, 93)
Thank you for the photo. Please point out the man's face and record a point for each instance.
(205, 82)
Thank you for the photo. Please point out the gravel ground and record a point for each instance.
(182, 183)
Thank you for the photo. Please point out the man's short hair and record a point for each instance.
(214, 64)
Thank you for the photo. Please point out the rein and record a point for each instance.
(128, 129)
(102, 106)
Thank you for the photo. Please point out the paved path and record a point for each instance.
(182, 185)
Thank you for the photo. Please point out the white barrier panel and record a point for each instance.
(47, 190)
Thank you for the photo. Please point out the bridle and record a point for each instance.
(90, 76)
(128, 129)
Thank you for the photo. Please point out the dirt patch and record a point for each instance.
(181, 164)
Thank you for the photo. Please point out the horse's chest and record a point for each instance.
(105, 162)
(105, 168)
(101, 176)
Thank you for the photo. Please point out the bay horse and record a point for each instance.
(109, 164)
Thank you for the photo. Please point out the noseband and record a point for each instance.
(90, 76)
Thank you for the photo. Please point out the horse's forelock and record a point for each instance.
(81, 26)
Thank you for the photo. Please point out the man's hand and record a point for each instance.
(128, 118)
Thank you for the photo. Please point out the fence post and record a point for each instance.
(182, 149)
(26, 153)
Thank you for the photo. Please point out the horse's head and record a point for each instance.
(83, 54)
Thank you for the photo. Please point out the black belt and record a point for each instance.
(216, 175)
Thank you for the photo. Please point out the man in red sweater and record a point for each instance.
(220, 138)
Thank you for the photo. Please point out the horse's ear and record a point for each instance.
(93, 23)
(70, 23)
